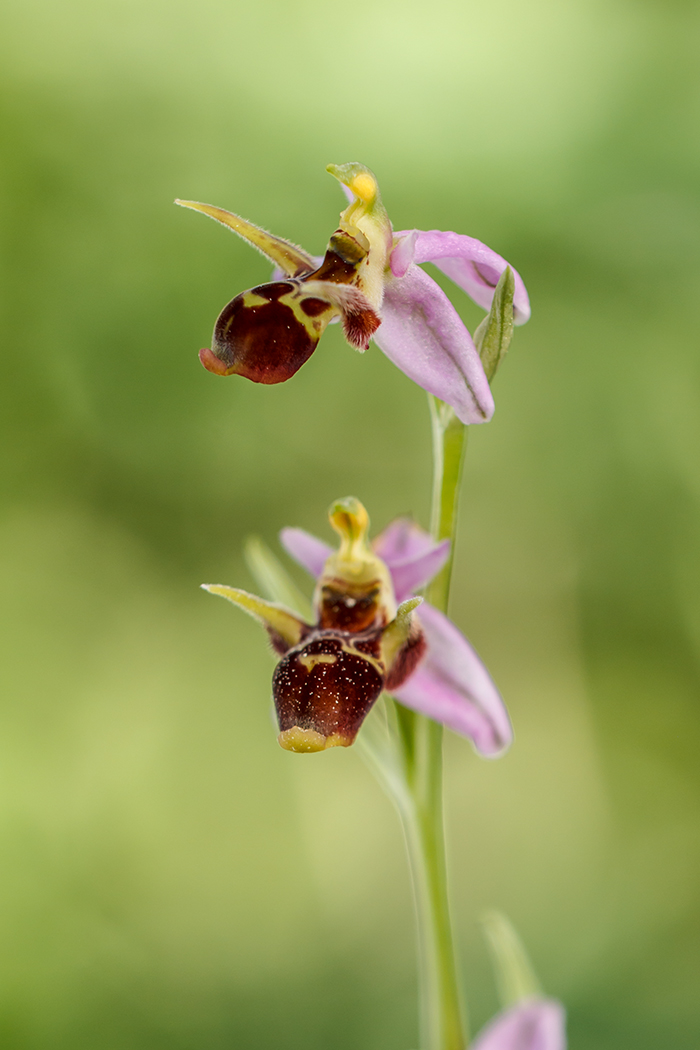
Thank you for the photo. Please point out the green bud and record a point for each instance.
(492, 337)
(515, 976)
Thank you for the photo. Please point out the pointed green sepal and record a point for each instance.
(282, 621)
(492, 337)
(273, 579)
(398, 632)
(515, 976)
(292, 260)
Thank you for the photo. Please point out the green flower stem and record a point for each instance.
(443, 1019)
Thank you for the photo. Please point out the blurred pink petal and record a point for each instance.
(403, 538)
(422, 333)
(452, 686)
(310, 552)
(535, 1025)
(411, 554)
(469, 263)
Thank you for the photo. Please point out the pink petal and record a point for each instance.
(422, 333)
(403, 253)
(469, 263)
(452, 686)
(402, 538)
(412, 555)
(310, 552)
(408, 576)
(535, 1025)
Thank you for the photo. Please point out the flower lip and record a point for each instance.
(326, 687)
(267, 334)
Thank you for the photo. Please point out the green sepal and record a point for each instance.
(492, 337)
(515, 977)
(273, 579)
(294, 261)
(282, 621)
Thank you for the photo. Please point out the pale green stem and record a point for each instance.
(443, 1024)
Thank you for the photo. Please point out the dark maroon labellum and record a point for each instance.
(324, 689)
(260, 336)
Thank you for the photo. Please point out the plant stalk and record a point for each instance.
(442, 1014)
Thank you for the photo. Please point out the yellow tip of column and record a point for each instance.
(364, 187)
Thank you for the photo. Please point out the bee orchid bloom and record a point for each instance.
(536, 1024)
(370, 278)
(449, 683)
(368, 638)
(331, 672)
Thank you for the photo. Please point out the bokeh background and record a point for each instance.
(169, 878)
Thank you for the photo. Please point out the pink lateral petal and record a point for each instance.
(539, 1024)
(422, 333)
(411, 554)
(402, 538)
(471, 264)
(452, 686)
(307, 550)
(410, 575)
(403, 253)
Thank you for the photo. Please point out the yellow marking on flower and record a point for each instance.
(310, 660)
(376, 664)
(364, 186)
(253, 299)
(308, 741)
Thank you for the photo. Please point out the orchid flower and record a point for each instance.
(368, 637)
(536, 1024)
(370, 278)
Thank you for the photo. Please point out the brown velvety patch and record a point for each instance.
(335, 269)
(348, 611)
(313, 307)
(359, 326)
(327, 685)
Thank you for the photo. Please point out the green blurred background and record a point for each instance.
(169, 878)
